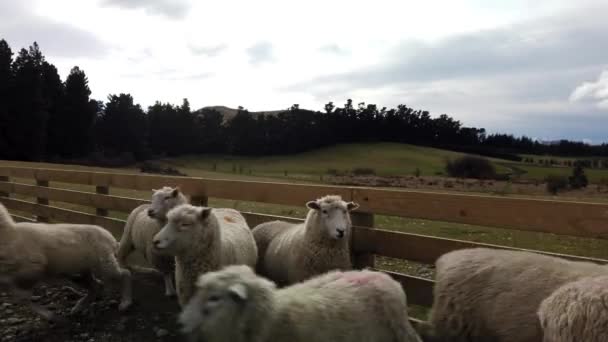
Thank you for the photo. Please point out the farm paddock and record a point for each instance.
(104, 198)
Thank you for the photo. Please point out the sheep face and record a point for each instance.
(222, 297)
(333, 216)
(213, 307)
(185, 224)
(164, 200)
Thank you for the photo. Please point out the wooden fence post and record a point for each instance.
(102, 190)
(366, 220)
(42, 200)
(199, 200)
(4, 179)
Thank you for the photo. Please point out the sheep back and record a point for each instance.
(343, 306)
(56, 249)
(238, 244)
(274, 240)
(576, 312)
(490, 293)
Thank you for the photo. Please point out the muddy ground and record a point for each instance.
(151, 318)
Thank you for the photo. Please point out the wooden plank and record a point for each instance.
(419, 291)
(88, 199)
(63, 215)
(19, 218)
(566, 218)
(267, 192)
(426, 249)
(253, 219)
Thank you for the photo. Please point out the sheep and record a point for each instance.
(142, 224)
(235, 304)
(31, 253)
(487, 294)
(204, 239)
(290, 253)
(577, 311)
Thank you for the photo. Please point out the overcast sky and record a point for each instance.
(537, 67)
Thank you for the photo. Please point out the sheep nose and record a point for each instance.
(151, 212)
(340, 232)
(156, 243)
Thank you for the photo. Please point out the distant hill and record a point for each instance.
(229, 113)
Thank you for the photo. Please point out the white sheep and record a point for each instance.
(486, 294)
(204, 239)
(234, 304)
(289, 253)
(577, 311)
(143, 223)
(34, 252)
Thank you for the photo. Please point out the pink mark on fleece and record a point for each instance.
(361, 278)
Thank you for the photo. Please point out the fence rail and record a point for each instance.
(588, 220)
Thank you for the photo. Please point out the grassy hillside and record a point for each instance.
(387, 159)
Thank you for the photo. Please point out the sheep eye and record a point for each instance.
(324, 211)
(213, 298)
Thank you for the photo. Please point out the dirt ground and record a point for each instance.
(152, 317)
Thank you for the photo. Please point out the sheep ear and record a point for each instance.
(313, 205)
(205, 212)
(154, 190)
(175, 192)
(238, 291)
(352, 206)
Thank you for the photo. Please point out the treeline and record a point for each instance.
(45, 118)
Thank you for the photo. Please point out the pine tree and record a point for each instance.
(71, 129)
(29, 110)
(6, 84)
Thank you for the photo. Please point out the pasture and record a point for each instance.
(308, 168)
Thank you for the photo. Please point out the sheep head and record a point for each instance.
(333, 215)
(165, 199)
(186, 224)
(223, 301)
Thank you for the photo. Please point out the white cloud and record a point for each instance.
(176, 9)
(593, 91)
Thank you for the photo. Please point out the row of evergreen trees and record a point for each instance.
(43, 118)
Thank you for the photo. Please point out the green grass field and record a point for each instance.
(387, 159)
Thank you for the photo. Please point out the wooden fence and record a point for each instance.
(565, 218)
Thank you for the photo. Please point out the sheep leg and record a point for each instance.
(169, 287)
(92, 287)
(111, 271)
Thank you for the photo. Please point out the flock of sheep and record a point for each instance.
(282, 281)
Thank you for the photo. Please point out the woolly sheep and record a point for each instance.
(577, 311)
(204, 239)
(34, 252)
(143, 223)
(289, 253)
(234, 304)
(486, 294)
